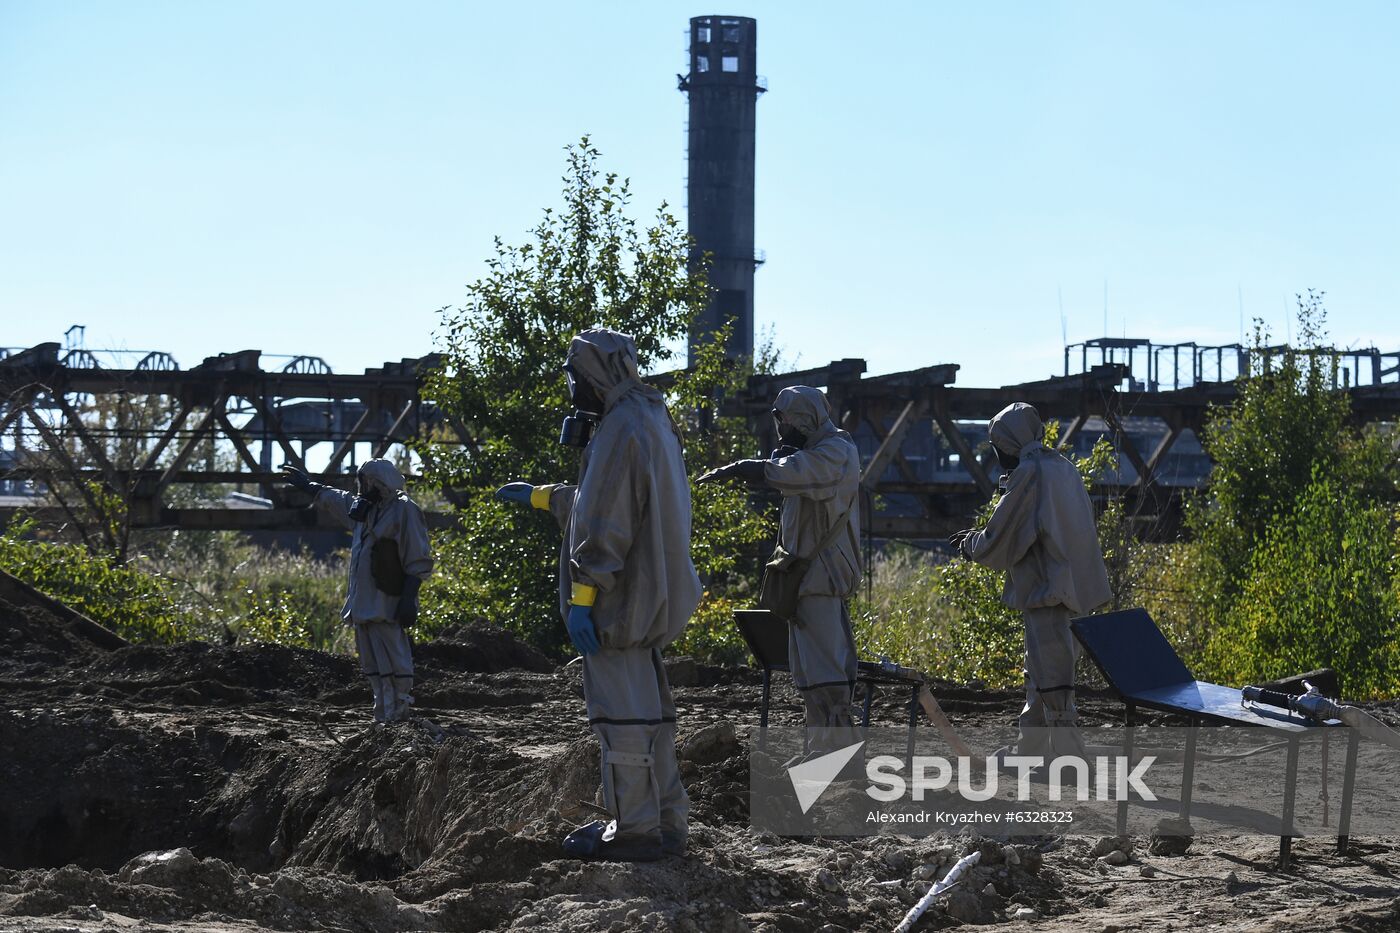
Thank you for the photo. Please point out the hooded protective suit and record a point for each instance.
(1042, 534)
(386, 653)
(820, 485)
(627, 533)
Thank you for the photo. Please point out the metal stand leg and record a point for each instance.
(913, 724)
(1127, 757)
(1326, 798)
(865, 707)
(1348, 785)
(1290, 791)
(763, 710)
(1188, 771)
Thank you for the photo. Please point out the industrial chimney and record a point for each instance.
(723, 86)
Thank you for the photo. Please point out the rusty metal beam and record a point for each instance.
(187, 450)
(383, 446)
(167, 436)
(15, 405)
(346, 445)
(1164, 446)
(1125, 445)
(890, 443)
(94, 450)
(240, 446)
(959, 443)
(274, 421)
(56, 450)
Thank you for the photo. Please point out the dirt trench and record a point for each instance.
(202, 788)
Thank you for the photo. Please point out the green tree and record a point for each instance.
(1292, 551)
(586, 264)
(1318, 591)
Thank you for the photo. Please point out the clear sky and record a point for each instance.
(934, 179)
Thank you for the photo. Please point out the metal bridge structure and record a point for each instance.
(86, 420)
(928, 466)
(207, 460)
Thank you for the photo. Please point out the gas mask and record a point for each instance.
(577, 429)
(1006, 461)
(789, 435)
(365, 499)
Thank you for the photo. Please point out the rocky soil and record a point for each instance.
(201, 788)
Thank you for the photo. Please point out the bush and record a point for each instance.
(136, 605)
(903, 618)
(1292, 563)
(234, 591)
(213, 586)
(712, 635)
(1315, 594)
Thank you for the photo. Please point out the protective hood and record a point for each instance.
(607, 359)
(382, 474)
(1016, 429)
(806, 409)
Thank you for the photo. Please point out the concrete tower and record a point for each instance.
(723, 86)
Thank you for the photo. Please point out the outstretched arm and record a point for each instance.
(1011, 530)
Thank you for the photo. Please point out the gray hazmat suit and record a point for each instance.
(820, 483)
(627, 532)
(1042, 534)
(386, 653)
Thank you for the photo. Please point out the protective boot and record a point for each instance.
(391, 700)
(599, 841)
(403, 699)
(630, 794)
(377, 687)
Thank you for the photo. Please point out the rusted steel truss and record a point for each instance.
(58, 430)
(892, 415)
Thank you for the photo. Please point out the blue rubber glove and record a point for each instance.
(515, 492)
(581, 630)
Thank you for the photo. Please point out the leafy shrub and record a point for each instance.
(712, 635)
(1293, 560)
(136, 605)
(235, 591)
(1315, 594)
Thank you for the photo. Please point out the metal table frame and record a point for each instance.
(1163, 683)
(759, 629)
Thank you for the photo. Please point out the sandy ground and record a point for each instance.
(201, 788)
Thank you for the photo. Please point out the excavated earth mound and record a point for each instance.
(202, 788)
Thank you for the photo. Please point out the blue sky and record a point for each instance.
(934, 179)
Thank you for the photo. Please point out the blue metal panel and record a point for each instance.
(1131, 651)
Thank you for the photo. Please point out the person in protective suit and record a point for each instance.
(817, 471)
(627, 588)
(1042, 534)
(390, 557)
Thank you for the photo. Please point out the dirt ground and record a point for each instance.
(202, 788)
